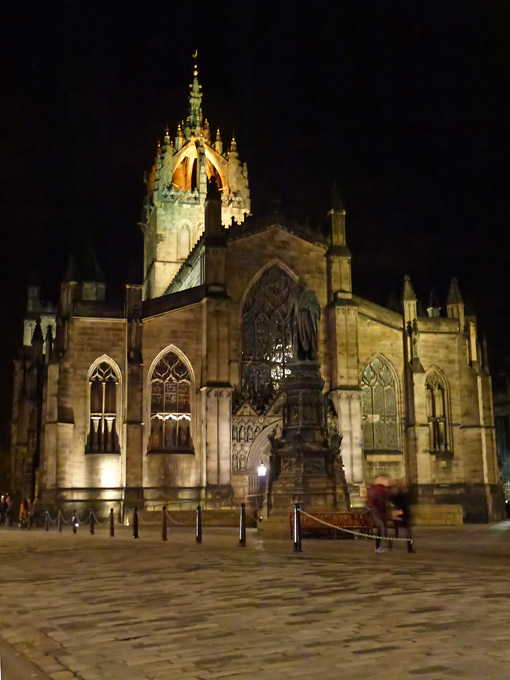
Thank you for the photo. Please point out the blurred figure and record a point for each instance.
(24, 513)
(401, 501)
(3, 510)
(377, 502)
(8, 511)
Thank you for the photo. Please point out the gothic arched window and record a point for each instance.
(267, 335)
(379, 407)
(170, 406)
(437, 412)
(103, 384)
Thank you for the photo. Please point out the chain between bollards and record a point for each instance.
(112, 523)
(198, 535)
(297, 529)
(135, 523)
(75, 522)
(47, 521)
(242, 526)
(91, 522)
(163, 525)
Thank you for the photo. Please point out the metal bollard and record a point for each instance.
(242, 527)
(59, 522)
(198, 534)
(91, 522)
(75, 522)
(163, 525)
(135, 523)
(47, 521)
(112, 523)
(297, 529)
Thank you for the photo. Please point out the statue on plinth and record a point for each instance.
(306, 313)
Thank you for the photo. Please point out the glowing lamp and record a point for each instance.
(261, 470)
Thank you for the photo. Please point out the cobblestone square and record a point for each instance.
(101, 608)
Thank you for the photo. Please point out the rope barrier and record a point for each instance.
(85, 521)
(350, 531)
(191, 518)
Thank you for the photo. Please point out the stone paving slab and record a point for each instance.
(100, 608)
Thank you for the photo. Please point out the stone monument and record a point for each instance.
(306, 465)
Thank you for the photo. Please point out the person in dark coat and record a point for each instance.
(400, 499)
(377, 502)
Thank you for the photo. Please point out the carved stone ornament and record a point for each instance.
(288, 464)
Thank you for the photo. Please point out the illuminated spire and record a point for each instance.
(218, 144)
(233, 144)
(409, 294)
(195, 98)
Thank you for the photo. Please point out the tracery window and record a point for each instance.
(102, 436)
(170, 406)
(437, 412)
(267, 335)
(379, 408)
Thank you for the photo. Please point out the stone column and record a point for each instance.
(134, 394)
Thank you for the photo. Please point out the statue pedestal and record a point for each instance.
(304, 469)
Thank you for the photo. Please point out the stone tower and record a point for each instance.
(173, 217)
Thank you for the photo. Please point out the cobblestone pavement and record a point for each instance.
(100, 608)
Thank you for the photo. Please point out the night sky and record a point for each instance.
(405, 103)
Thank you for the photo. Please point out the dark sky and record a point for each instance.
(405, 102)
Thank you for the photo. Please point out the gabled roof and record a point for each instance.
(250, 227)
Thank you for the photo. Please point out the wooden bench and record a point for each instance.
(353, 521)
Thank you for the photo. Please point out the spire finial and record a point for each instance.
(195, 99)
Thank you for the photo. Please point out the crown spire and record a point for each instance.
(195, 98)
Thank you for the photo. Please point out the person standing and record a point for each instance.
(377, 501)
(400, 498)
(8, 511)
(3, 510)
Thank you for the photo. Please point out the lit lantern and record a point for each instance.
(261, 470)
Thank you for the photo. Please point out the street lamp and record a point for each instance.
(261, 470)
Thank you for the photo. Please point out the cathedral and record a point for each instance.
(177, 395)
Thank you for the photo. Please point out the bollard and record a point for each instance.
(120, 518)
(91, 522)
(59, 522)
(112, 523)
(75, 522)
(297, 529)
(47, 521)
(163, 525)
(242, 527)
(30, 520)
(198, 535)
(135, 523)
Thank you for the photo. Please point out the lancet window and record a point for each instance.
(267, 335)
(379, 408)
(437, 413)
(170, 406)
(103, 385)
